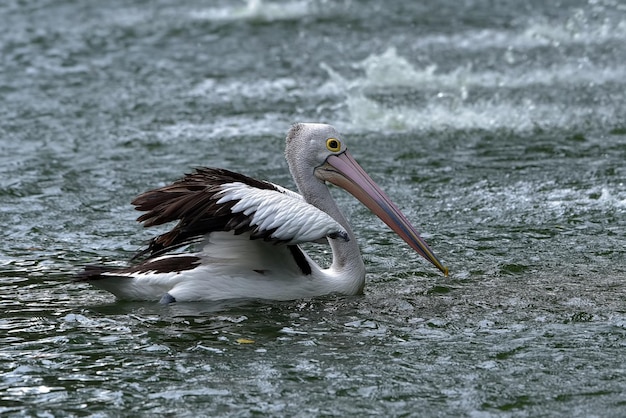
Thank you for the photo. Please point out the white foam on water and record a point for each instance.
(366, 114)
(260, 88)
(448, 99)
(225, 91)
(225, 127)
(449, 102)
(392, 70)
(599, 197)
(448, 105)
(176, 394)
(556, 202)
(256, 10)
(604, 24)
(588, 27)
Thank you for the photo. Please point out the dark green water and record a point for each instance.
(499, 129)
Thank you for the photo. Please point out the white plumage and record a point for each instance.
(293, 220)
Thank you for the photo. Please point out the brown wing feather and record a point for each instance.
(192, 201)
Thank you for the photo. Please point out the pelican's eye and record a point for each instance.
(333, 144)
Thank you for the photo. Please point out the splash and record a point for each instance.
(442, 114)
(605, 24)
(395, 91)
(390, 69)
(395, 95)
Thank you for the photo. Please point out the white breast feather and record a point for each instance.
(295, 220)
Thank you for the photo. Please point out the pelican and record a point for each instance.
(250, 230)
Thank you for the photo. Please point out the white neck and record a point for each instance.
(347, 271)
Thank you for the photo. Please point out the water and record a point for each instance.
(498, 128)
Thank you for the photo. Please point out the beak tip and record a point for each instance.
(445, 271)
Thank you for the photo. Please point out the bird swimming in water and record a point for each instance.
(248, 231)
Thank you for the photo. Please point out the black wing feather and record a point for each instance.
(192, 201)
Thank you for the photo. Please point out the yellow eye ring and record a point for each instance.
(333, 144)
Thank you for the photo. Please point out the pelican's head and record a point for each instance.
(310, 144)
(321, 149)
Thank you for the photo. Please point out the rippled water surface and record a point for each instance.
(498, 128)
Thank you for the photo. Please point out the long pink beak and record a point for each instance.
(343, 171)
